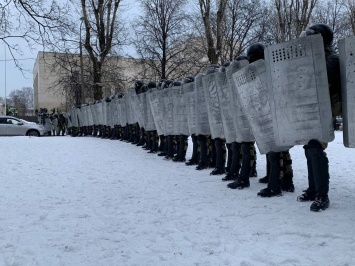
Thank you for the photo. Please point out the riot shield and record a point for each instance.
(148, 117)
(130, 108)
(253, 94)
(241, 126)
(168, 114)
(103, 112)
(180, 112)
(134, 107)
(113, 111)
(157, 107)
(213, 105)
(190, 101)
(99, 112)
(139, 108)
(84, 120)
(70, 124)
(347, 70)
(202, 123)
(89, 115)
(298, 91)
(74, 117)
(80, 116)
(123, 111)
(93, 114)
(118, 111)
(109, 114)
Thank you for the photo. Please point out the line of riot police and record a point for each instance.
(275, 97)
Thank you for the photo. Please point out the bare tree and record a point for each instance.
(68, 83)
(35, 22)
(337, 14)
(100, 19)
(22, 100)
(162, 40)
(293, 17)
(242, 26)
(213, 27)
(350, 8)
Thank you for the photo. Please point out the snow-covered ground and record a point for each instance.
(89, 202)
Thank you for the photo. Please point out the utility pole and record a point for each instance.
(5, 82)
(81, 94)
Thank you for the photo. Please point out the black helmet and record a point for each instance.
(144, 88)
(212, 68)
(138, 84)
(160, 84)
(188, 80)
(166, 83)
(175, 83)
(241, 57)
(322, 29)
(223, 67)
(227, 63)
(255, 52)
(151, 85)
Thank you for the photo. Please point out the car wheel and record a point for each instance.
(33, 133)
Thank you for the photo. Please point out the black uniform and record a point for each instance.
(317, 161)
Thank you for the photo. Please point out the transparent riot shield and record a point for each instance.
(298, 93)
(202, 123)
(253, 94)
(213, 105)
(241, 126)
(347, 74)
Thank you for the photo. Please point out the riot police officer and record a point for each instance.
(317, 161)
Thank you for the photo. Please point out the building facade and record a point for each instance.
(56, 79)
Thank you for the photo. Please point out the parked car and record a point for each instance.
(13, 126)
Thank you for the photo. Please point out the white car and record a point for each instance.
(13, 126)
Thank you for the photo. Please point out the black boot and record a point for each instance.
(321, 203)
(308, 195)
(265, 179)
(240, 183)
(218, 171)
(253, 172)
(201, 166)
(230, 177)
(287, 183)
(267, 192)
(191, 162)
